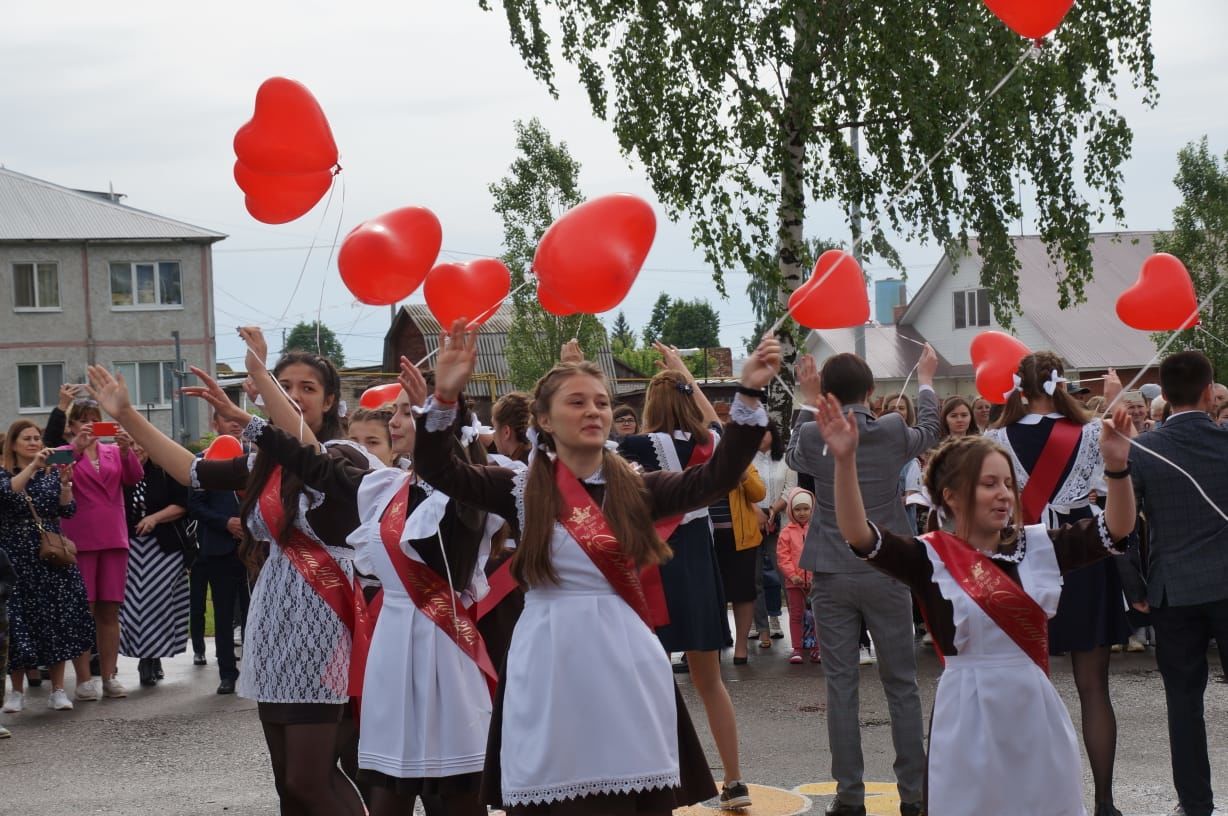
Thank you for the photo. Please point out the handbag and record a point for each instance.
(53, 547)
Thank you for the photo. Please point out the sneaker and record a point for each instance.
(774, 627)
(796, 657)
(5, 733)
(753, 634)
(58, 701)
(111, 687)
(198, 660)
(1115, 648)
(14, 702)
(1135, 645)
(865, 656)
(735, 796)
(89, 690)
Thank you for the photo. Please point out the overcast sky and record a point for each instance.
(421, 95)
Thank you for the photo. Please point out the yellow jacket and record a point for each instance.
(742, 499)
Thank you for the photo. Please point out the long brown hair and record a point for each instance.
(10, 440)
(950, 405)
(956, 466)
(253, 553)
(891, 400)
(625, 495)
(1034, 371)
(669, 406)
(515, 411)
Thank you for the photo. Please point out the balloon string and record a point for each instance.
(491, 310)
(331, 187)
(904, 387)
(1030, 52)
(1193, 316)
(1184, 473)
(1212, 336)
(327, 264)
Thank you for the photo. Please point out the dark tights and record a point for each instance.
(1091, 676)
(305, 771)
(387, 802)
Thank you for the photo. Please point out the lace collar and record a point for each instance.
(1034, 419)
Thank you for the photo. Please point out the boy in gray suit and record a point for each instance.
(1188, 571)
(847, 591)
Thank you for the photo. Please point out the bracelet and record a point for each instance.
(443, 401)
(1118, 474)
(758, 393)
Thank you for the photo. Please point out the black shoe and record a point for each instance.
(735, 796)
(198, 660)
(917, 809)
(227, 686)
(838, 808)
(739, 661)
(145, 670)
(1107, 809)
(681, 666)
(158, 673)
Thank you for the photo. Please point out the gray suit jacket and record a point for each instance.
(887, 445)
(1188, 539)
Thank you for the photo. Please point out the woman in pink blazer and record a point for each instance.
(100, 531)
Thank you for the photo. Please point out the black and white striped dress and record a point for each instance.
(153, 620)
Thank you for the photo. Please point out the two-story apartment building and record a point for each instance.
(951, 309)
(87, 280)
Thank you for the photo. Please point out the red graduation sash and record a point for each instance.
(1042, 480)
(581, 517)
(1004, 601)
(650, 577)
(325, 576)
(501, 585)
(431, 593)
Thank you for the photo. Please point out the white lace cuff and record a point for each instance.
(740, 414)
(254, 428)
(193, 479)
(1106, 538)
(438, 416)
(878, 544)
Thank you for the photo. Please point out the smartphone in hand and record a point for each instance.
(105, 429)
(60, 457)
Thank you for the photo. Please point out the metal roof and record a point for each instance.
(1087, 336)
(35, 210)
(888, 354)
(492, 340)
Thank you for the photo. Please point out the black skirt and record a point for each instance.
(301, 713)
(738, 567)
(1091, 612)
(693, 593)
(429, 786)
(696, 778)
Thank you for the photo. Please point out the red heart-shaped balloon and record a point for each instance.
(588, 258)
(1033, 19)
(276, 199)
(1162, 299)
(472, 289)
(385, 259)
(551, 302)
(834, 297)
(288, 132)
(995, 358)
(378, 395)
(223, 447)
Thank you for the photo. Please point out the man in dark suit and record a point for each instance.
(219, 570)
(1188, 573)
(848, 592)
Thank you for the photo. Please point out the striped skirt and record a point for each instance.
(153, 621)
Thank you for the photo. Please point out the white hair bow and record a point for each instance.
(1018, 383)
(1050, 386)
(471, 432)
(342, 409)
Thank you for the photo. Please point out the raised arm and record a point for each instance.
(672, 360)
(112, 394)
(281, 409)
(335, 476)
(1120, 512)
(925, 435)
(840, 435)
(437, 463)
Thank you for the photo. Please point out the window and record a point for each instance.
(149, 383)
(146, 285)
(36, 286)
(971, 308)
(38, 386)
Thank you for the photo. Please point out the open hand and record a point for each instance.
(68, 393)
(763, 364)
(413, 383)
(213, 394)
(809, 382)
(671, 359)
(1112, 385)
(257, 348)
(571, 352)
(927, 366)
(1115, 435)
(458, 354)
(839, 430)
(109, 390)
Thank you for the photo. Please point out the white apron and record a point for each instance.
(1001, 740)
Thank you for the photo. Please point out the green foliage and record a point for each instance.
(620, 333)
(691, 324)
(303, 338)
(1200, 239)
(742, 112)
(542, 183)
(656, 321)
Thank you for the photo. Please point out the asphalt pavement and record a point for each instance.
(179, 748)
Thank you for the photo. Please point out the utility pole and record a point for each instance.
(859, 332)
(179, 430)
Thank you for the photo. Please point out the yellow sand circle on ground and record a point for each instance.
(882, 798)
(767, 802)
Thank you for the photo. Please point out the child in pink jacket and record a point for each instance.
(799, 506)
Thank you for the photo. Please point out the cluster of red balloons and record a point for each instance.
(286, 154)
